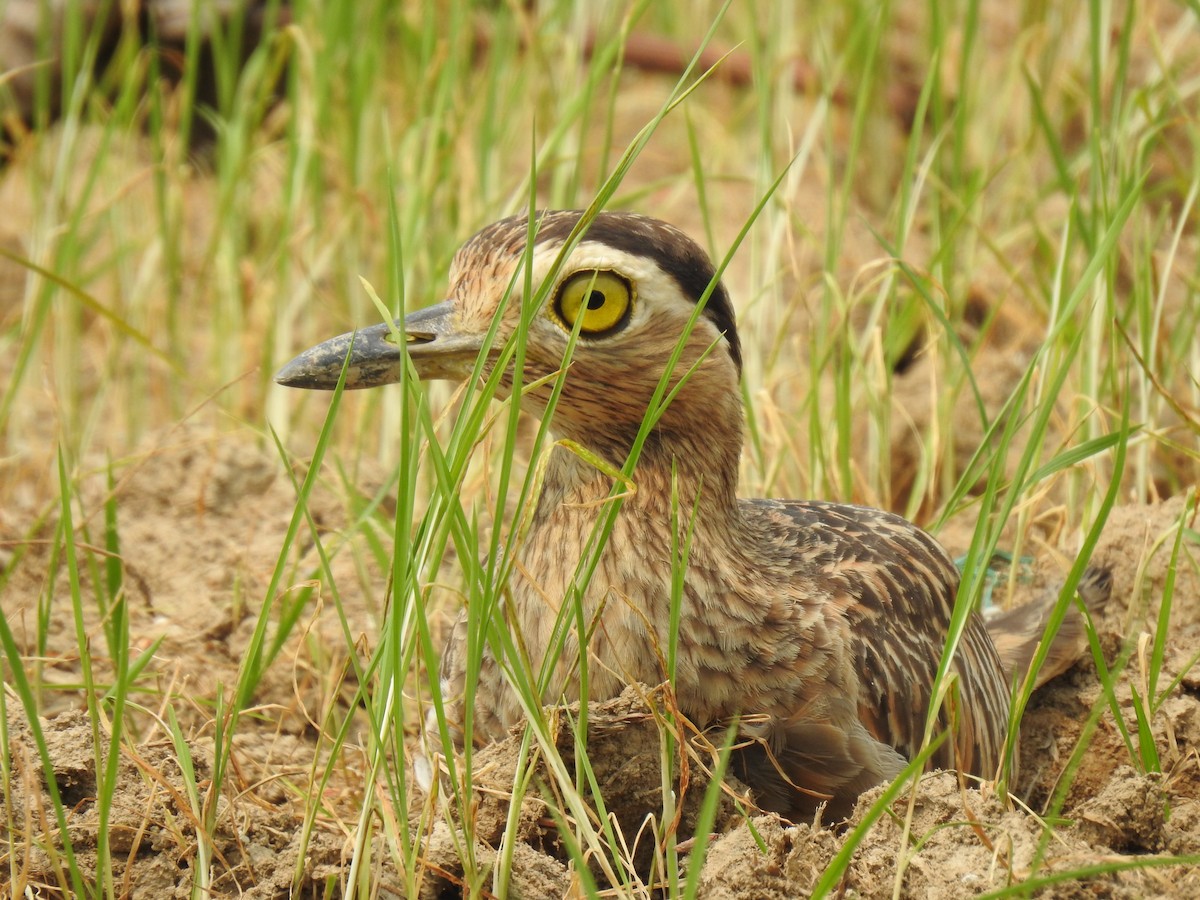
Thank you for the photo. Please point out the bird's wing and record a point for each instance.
(893, 586)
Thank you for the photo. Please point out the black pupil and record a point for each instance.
(595, 300)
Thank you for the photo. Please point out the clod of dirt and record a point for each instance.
(1127, 815)
(624, 753)
(534, 874)
(737, 868)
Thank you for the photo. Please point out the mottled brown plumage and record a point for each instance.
(820, 625)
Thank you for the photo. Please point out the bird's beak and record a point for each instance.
(433, 343)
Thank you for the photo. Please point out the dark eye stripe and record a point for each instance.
(674, 252)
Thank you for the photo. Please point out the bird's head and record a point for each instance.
(629, 288)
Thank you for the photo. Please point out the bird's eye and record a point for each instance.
(604, 300)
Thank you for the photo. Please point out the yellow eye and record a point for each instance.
(604, 299)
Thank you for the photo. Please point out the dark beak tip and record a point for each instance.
(298, 373)
(285, 376)
(312, 370)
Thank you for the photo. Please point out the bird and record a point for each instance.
(817, 627)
